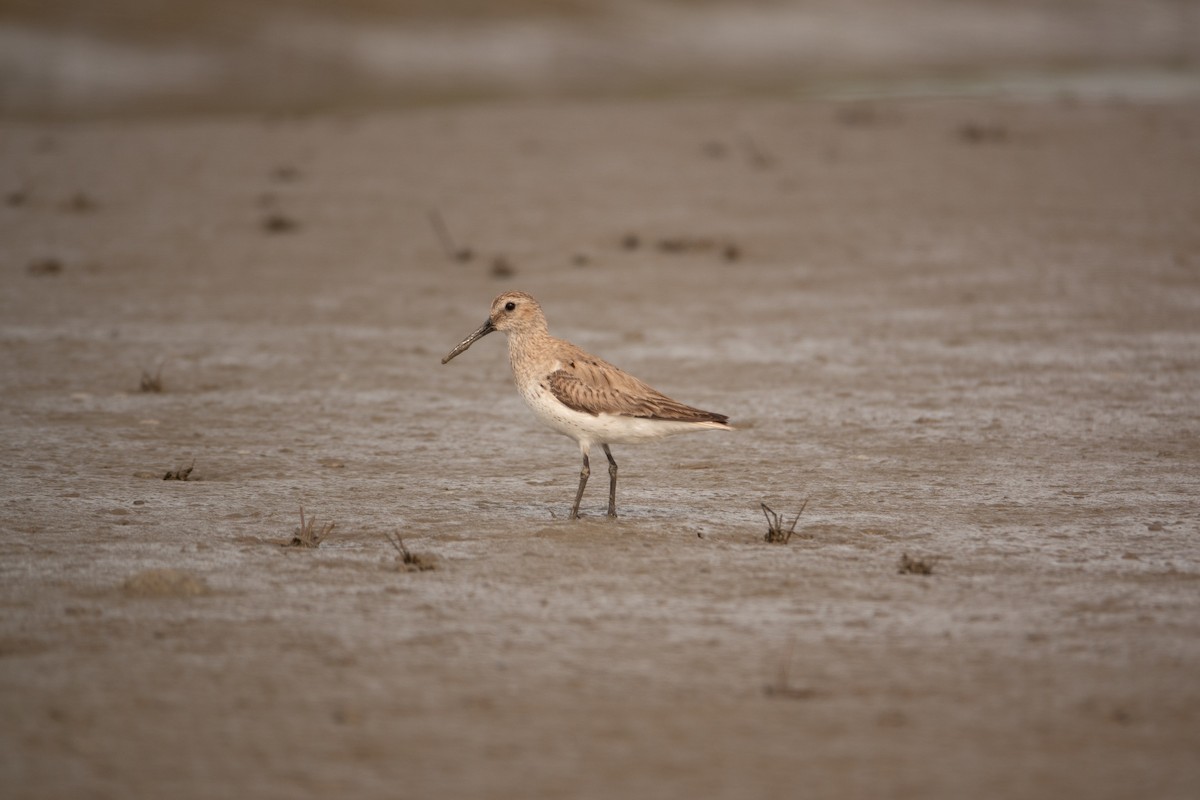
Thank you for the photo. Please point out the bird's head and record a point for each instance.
(512, 312)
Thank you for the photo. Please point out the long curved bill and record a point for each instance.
(483, 331)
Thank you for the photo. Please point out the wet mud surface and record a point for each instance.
(967, 333)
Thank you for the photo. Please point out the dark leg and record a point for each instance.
(583, 476)
(612, 482)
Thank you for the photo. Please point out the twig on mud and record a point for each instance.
(453, 252)
(775, 532)
(413, 562)
(782, 685)
(309, 534)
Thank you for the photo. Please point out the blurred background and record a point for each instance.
(84, 58)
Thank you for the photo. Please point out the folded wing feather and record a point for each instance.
(595, 387)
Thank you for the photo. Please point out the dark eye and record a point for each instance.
(510, 305)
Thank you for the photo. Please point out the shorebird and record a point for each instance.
(582, 396)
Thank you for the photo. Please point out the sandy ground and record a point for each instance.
(966, 332)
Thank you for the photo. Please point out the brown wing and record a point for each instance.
(595, 387)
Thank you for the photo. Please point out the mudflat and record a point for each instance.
(966, 332)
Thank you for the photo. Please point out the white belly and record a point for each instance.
(589, 429)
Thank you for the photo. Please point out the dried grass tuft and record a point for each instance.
(775, 532)
(309, 534)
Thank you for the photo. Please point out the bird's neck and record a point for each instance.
(527, 350)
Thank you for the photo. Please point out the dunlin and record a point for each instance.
(580, 395)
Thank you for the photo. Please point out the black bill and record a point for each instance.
(483, 331)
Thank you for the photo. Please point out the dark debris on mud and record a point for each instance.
(180, 474)
(151, 381)
(917, 565)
